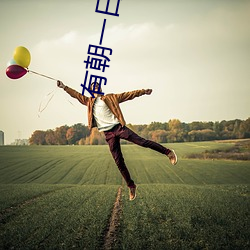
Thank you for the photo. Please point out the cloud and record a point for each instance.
(56, 56)
(69, 40)
(113, 36)
(128, 42)
(122, 33)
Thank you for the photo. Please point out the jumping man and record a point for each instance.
(104, 113)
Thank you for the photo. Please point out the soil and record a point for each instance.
(112, 230)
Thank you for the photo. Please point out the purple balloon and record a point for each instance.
(15, 71)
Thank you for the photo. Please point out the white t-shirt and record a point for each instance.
(105, 119)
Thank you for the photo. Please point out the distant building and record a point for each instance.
(1, 138)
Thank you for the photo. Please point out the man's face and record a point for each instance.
(95, 88)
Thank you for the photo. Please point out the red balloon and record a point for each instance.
(15, 71)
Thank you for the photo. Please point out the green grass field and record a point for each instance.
(62, 197)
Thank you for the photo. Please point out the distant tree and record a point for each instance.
(174, 124)
(141, 130)
(209, 125)
(157, 126)
(217, 129)
(96, 137)
(228, 129)
(82, 142)
(86, 141)
(236, 128)
(159, 135)
(185, 130)
(76, 133)
(82, 131)
(202, 135)
(70, 135)
(60, 134)
(50, 137)
(244, 129)
(196, 126)
(37, 138)
(229, 125)
(175, 133)
(145, 133)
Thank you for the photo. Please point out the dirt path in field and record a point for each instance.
(112, 230)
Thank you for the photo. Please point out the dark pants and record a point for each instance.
(113, 137)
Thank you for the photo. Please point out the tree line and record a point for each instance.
(172, 131)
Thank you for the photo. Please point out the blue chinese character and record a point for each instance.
(96, 63)
(107, 7)
(92, 89)
(103, 28)
(102, 51)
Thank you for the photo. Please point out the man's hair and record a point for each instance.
(94, 84)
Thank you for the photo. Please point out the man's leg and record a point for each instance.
(115, 149)
(129, 135)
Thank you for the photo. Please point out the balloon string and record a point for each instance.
(41, 75)
(71, 103)
(50, 96)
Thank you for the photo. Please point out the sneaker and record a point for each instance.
(132, 193)
(172, 157)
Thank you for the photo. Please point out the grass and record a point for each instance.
(57, 165)
(65, 218)
(187, 217)
(61, 197)
(240, 150)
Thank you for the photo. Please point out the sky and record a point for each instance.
(194, 54)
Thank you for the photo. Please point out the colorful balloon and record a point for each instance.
(15, 71)
(11, 62)
(22, 56)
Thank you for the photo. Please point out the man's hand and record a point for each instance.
(148, 91)
(60, 84)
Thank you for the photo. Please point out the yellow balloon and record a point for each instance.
(22, 56)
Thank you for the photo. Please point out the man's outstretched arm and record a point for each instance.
(132, 94)
(148, 91)
(81, 98)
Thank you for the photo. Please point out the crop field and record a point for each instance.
(73, 197)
